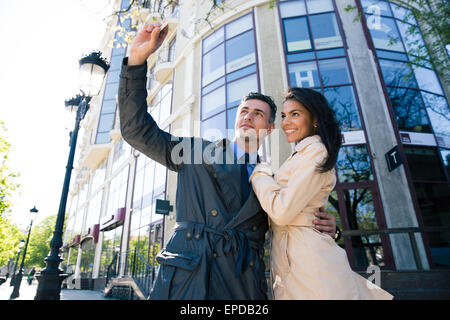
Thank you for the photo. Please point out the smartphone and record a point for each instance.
(164, 26)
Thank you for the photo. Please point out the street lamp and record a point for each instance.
(21, 244)
(93, 69)
(18, 278)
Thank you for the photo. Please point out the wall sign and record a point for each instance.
(163, 207)
(393, 158)
(416, 138)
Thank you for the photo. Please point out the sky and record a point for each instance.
(41, 43)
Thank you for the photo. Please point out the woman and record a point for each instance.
(305, 263)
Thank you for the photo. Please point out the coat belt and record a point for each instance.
(233, 240)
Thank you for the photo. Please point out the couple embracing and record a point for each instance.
(225, 209)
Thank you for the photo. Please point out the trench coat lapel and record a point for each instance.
(226, 175)
(250, 208)
(228, 178)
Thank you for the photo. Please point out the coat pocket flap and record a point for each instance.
(187, 261)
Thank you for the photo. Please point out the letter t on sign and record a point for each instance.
(393, 158)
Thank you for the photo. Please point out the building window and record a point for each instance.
(424, 163)
(171, 56)
(151, 78)
(110, 252)
(434, 203)
(142, 204)
(122, 152)
(81, 205)
(117, 191)
(71, 220)
(353, 164)
(409, 110)
(116, 199)
(413, 89)
(229, 71)
(73, 256)
(367, 249)
(93, 213)
(316, 58)
(161, 105)
(344, 104)
(98, 176)
(87, 259)
(149, 185)
(108, 111)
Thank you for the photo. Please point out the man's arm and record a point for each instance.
(325, 223)
(137, 126)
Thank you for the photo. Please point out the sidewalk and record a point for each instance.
(28, 292)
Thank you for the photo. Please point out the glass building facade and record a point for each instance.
(421, 114)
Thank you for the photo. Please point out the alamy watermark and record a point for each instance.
(196, 150)
(374, 280)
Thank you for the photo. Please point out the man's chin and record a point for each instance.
(246, 134)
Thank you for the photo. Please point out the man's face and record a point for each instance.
(253, 120)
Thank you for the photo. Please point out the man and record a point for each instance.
(217, 248)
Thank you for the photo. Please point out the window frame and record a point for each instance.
(226, 82)
(381, 222)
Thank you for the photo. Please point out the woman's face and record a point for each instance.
(296, 121)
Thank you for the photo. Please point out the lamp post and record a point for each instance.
(93, 69)
(21, 244)
(18, 278)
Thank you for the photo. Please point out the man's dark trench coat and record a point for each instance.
(216, 251)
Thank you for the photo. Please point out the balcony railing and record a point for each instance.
(137, 267)
(164, 64)
(410, 231)
(142, 272)
(113, 268)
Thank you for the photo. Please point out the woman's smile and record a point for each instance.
(296, 121)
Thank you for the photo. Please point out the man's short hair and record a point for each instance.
(266, 99)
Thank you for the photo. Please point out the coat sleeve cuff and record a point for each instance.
(262, 168)
(133, 77)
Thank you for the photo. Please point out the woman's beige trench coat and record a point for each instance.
(305, 263)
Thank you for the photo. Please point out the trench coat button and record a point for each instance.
(197, 236)
(254, 228)
(251, 263)
(214, 255)
(189, 235)
(214, 212)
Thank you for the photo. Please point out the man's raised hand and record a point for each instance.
(147, 41)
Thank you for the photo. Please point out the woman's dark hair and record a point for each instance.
(324, 116)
